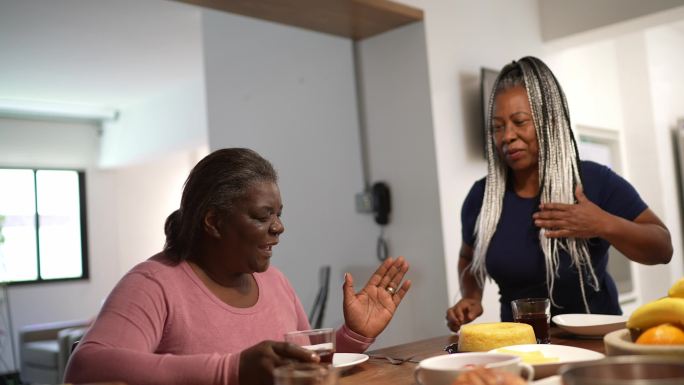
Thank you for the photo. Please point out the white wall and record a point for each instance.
(560, 18)
(145, 196)
(647, 167)
(172, 120)
(289, 94)
(402, 153)
(665, 61)
(100, 53)
(43, 143)
(590, 81)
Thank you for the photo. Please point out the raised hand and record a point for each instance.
(464, 311)
(370, 310)
(257, 362)
(583, 219)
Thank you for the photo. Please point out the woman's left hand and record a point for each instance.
(370, 310)
(583, 219)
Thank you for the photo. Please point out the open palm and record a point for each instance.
(370, 310)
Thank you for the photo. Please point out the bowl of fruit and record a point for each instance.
(655, 328)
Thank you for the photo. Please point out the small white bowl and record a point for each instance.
(444, 369)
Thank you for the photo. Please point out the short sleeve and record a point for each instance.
(470, 211)
(612, 192)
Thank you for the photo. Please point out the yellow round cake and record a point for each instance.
(487, 336)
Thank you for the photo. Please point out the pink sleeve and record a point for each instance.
(94, 363)
(348, 341)
(121, 344)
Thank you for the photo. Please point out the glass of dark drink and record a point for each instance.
(305, 374)
(535, 312)
(321, 341)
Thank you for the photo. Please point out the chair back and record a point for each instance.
(317, 313)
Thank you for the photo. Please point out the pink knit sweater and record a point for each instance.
(161, 325)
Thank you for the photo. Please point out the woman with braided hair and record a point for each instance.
(541, 222)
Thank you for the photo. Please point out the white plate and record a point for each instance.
(594, 325)
(347, 360)
(553, 380)
(564, 353)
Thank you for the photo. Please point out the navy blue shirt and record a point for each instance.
(515, 260)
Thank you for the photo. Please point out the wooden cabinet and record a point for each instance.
(355, 19)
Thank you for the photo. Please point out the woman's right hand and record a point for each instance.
(257, 363)
(470, 306)
(465, 310)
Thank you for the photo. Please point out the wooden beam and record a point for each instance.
(355, 19)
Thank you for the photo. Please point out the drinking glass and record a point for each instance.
(305, 374)
(535, 312)
(321, 341)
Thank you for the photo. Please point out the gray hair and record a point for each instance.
(558, 164)
(215, 183)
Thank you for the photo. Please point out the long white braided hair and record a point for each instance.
(558, 170)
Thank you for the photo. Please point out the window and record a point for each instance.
(43, 225)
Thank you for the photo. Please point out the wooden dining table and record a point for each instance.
(379, 371)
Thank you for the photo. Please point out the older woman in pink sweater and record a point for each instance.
(209, 309)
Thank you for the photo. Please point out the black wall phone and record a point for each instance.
(382, 207)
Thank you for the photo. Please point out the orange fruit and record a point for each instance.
(664, 334)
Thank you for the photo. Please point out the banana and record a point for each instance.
(664, 310)
(677, 290)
